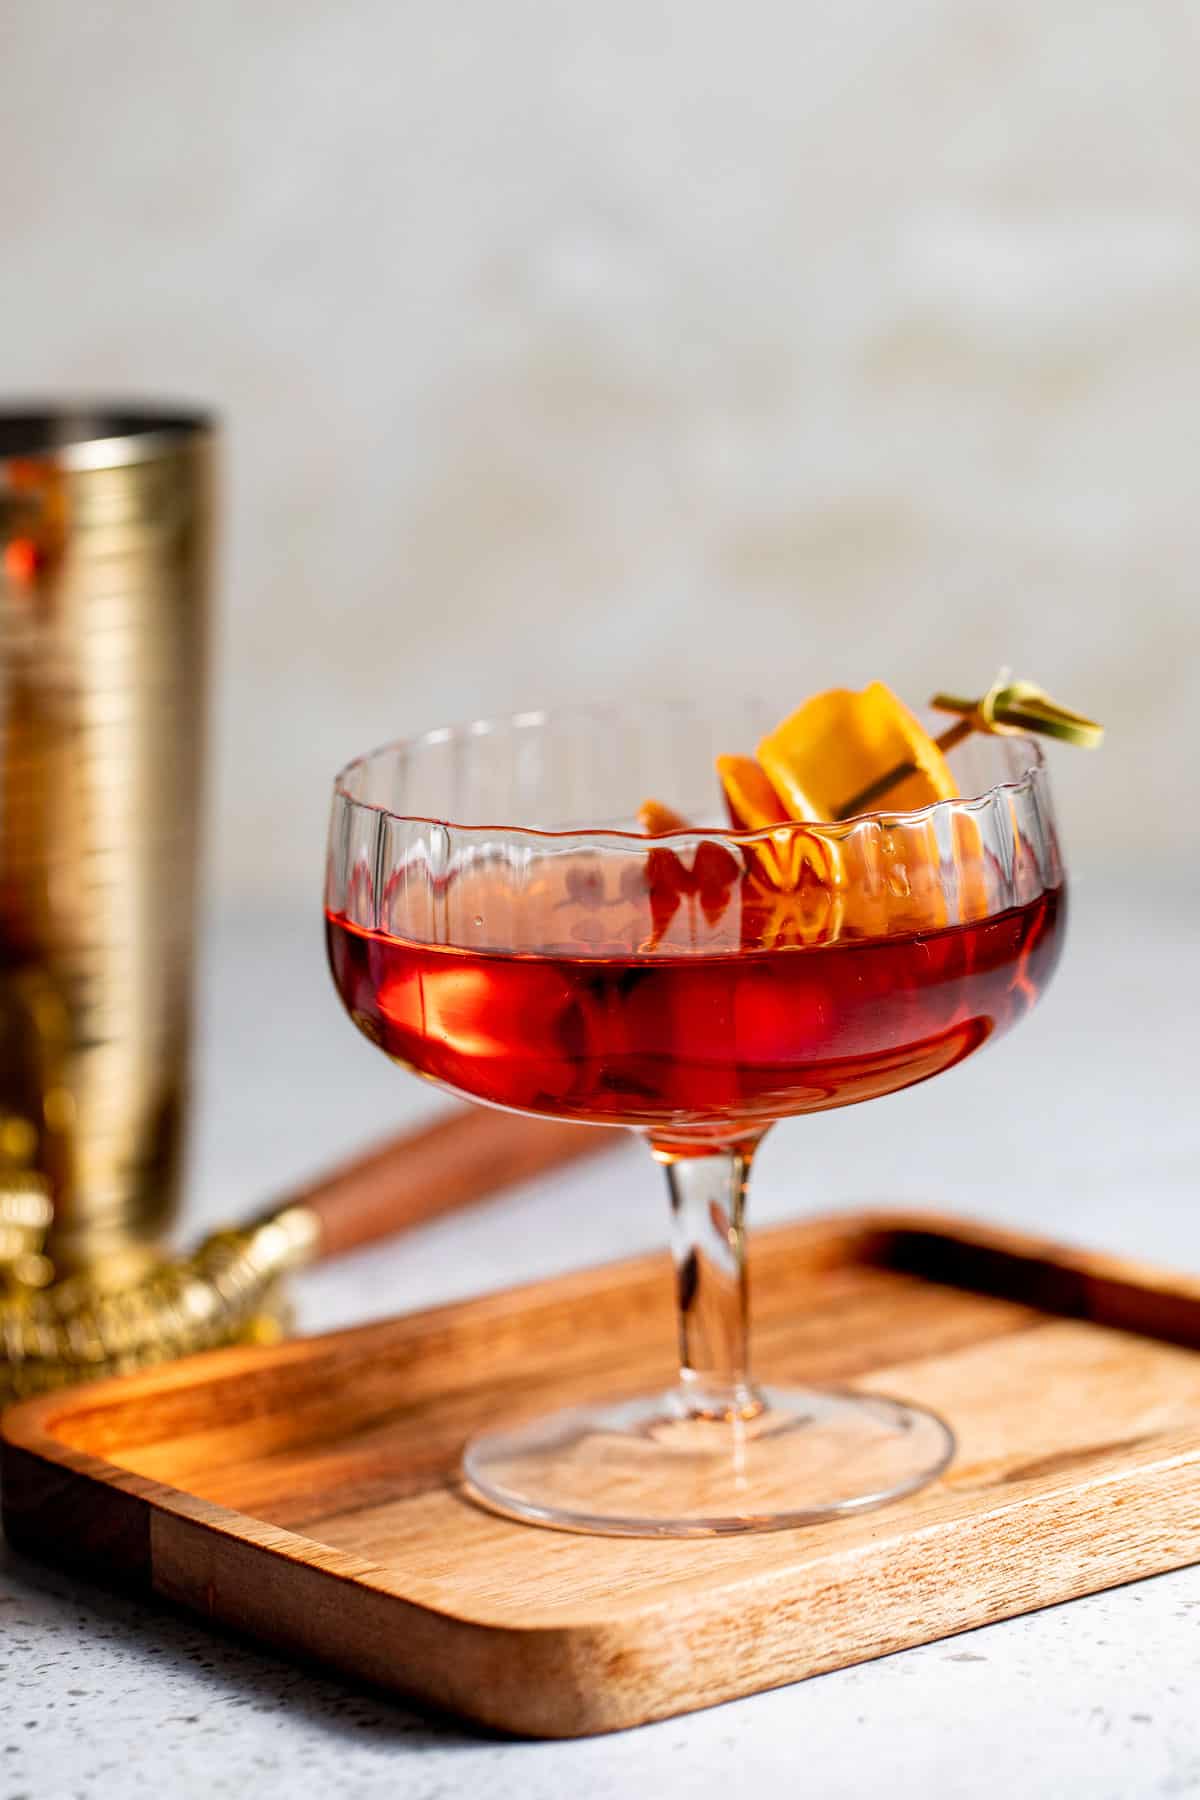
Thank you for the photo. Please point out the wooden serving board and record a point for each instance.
(307, 1493)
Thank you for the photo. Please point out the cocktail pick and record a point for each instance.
(1008, 704)
(1023, 706)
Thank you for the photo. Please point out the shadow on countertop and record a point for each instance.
(51, 1615)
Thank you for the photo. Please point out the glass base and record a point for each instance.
(654, 1466)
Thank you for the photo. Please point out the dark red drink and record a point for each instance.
(674, 1042)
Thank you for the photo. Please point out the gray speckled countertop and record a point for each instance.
(1088, 1120)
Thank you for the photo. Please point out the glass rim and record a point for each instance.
(527, 719)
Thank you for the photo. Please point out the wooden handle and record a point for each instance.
(462, 1158)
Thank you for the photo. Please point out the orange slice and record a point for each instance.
(839, 742)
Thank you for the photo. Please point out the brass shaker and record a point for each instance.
(105, 534)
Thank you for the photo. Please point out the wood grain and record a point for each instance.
(307, 1493)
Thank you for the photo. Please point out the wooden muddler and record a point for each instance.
(71, 1332)
(464, 1157)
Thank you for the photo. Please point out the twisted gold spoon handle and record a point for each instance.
(73, 1331)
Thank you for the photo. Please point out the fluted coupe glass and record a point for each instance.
(497, 924)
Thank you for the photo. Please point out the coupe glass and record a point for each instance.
(497, 924)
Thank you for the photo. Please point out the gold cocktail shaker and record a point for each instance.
(105, 531)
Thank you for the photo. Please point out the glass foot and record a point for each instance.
(654, 1467)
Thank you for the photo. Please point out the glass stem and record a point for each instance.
(708, 1210)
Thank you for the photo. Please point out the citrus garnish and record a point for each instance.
(753, 805)
(707, 881)
(749, 796)
(847, 756)
(654, 819)
(837, 746)
(806, 907)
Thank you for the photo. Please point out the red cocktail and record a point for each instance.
(695, 986)
(669, 1042)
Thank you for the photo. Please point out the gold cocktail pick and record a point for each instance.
(1007, 705)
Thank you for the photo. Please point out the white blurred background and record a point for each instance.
(568, 350)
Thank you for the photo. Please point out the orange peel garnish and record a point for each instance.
(708, 881)
(970, 867)
(840, 742)
(751, 801)
(753, 805)
(655, 819)
(855, 762)
(806, 911)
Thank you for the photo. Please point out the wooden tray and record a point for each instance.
(306, 1493)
